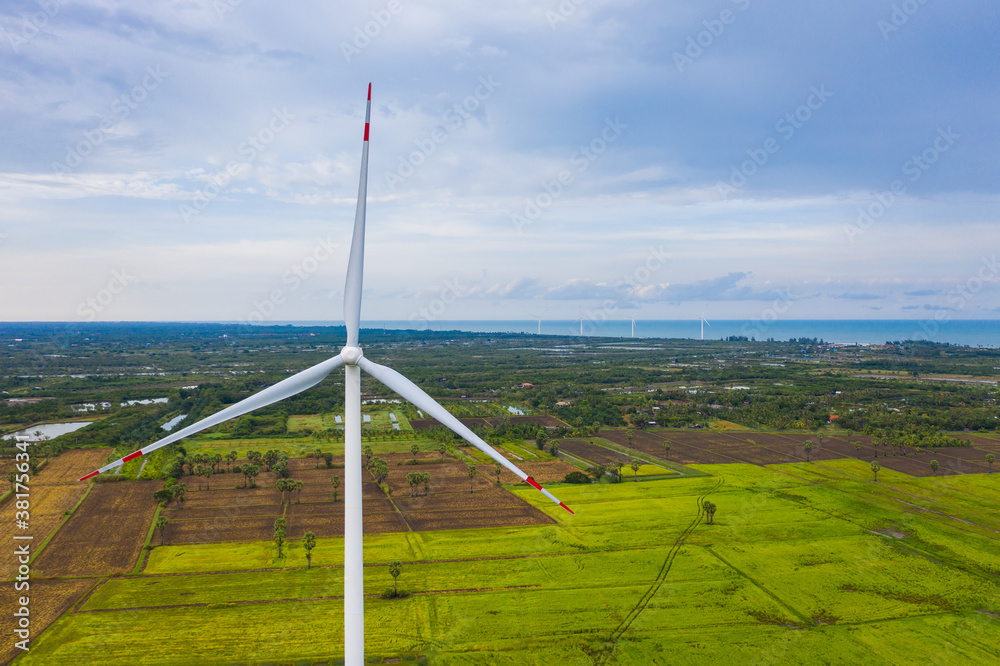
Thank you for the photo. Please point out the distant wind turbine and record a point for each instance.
(353, 360)
(633, 325)
(539, 318)
(703, 322)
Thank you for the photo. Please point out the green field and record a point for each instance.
(807, 563)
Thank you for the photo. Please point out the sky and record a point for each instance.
(198, 160)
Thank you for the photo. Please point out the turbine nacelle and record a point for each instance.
(351, 354)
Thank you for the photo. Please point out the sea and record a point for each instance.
(964, 332)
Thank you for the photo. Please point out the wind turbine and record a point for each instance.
(539, 318)
(633, 325)
(354, 361)
(703, 322)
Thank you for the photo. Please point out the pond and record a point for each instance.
(147, 401)
(172, 423)
(48, 430)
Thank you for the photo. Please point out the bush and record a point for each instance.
(577, 477)
(390, 594)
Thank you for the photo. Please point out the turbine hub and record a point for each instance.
(351, 355)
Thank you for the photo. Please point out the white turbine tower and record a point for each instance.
(353, 360)
(633, 325)
(703, 322)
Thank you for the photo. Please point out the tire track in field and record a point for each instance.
(654, 587)
(258, 602)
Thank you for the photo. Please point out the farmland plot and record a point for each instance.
(105, 534)
(48, 600)
(592, 452)
(53, 491)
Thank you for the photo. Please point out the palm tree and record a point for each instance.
(298, 491)
(380, 470)
(442, 449)
(179, 491)
(279, 533)
(990, 459)
(426, 479)
(412, 481)
(934, 467)
(335, 482)
(414, 449)
(629, 434)
(554, 448)
(395, 568)
(635, 465)
(709, 511)
(230, 459)
(309, 542)
(497, 467)
(282, 485)
(161, 524)
(666, 449)
(875, 468)
(857, 446)
(207, 472)
(328, 459)
(368, 455)
(472, 475)
(270, 457)
(808, 447)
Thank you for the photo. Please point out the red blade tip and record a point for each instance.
(94, 473)
(567, 508)
(369, 92)
(132, 456)
(533, 483)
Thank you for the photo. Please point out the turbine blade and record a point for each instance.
(283, 389)
(429, 405)
(356, 263)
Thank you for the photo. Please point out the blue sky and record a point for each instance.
(199, 160)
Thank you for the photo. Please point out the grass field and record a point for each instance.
(807, 563)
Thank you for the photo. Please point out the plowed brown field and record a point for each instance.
(592, 452)
(105, 534)
(52, 492)
(770, 448)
